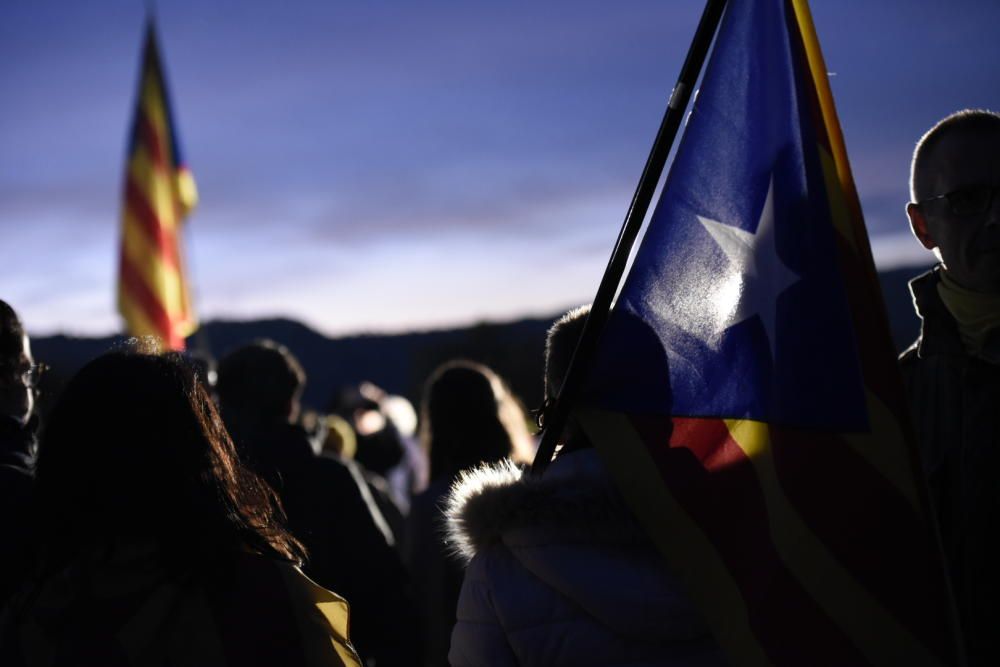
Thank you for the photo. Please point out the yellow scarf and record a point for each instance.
(977, 315)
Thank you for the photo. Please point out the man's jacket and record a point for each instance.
(955, 401)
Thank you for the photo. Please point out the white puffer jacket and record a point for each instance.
(560, 573)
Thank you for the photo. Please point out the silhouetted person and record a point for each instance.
(155, 546)
(379, 446)
(468, 417)
(328, 509)
(18, 378)
(560, 572)
(952, 371)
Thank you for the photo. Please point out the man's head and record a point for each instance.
(17, 397)
(263, 380)
(955, 207)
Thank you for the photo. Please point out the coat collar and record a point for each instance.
(938, 329)
(574, 501)
(17, 442)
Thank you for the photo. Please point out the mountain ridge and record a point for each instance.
(401, 362)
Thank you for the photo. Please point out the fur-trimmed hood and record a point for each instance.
(566, 546)
(575, 501)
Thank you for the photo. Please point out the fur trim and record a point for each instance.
(496, 502)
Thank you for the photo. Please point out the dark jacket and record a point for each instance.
(349, 552)
(118, 604)
(437, 571)
(955, 400)
(17, 477)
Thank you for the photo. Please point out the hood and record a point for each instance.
(574, 501)
(572, 530)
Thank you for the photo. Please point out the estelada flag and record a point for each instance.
(153, 290)
(745, 393)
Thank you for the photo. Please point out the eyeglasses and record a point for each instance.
(968, 201)
(29, 376)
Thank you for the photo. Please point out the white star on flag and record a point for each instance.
(757, 275)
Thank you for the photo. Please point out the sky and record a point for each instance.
(386, 166)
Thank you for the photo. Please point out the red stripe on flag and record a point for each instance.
(715, 482)
(154, 143)
(875, 348)
(145, 298)
(886, 551)
(804, 74)
(162, 238)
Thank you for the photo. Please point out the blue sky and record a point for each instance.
(382, 166)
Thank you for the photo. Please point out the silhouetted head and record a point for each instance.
(135, 451)
(262, 382)
(955, 207)
(468, 417)
(17, 368)
(560, 343)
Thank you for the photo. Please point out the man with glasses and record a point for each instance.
(18, 380)
(952, 371)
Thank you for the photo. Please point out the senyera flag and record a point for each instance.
(744, 391)
(153, 291)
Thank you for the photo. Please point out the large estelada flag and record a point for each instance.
(153, 291)
(745, 393)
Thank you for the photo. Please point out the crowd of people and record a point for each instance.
(168, 514)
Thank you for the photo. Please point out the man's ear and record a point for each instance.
(918, 223)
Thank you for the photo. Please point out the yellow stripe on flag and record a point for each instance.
(885, 448)
(187, 192)
(155, 188)
(675, 533)
(818, 68)
(862, 617)
(162, 279)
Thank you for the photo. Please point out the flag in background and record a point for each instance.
(745, 393)
(153, 291)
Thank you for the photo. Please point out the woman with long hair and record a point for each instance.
(154, 544)
(468, 417)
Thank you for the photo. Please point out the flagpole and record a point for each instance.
(557, 415)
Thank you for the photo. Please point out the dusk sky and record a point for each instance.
(386, 166)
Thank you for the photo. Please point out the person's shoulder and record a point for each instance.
(15, 481)
(909, 356)
(574, 502)
(319, 617)
(333, 466)
(480, 505)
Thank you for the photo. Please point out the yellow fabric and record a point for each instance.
(323, 618)
(977, 315)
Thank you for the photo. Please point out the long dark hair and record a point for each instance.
(468, 417)
(135, 450)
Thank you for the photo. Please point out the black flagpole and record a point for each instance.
(556, 416)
